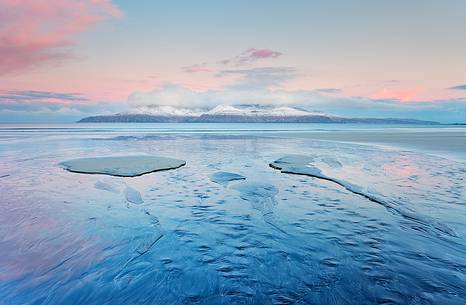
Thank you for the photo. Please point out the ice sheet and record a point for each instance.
(269, 239)
(123, 166)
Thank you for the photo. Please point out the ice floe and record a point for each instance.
(123, 166)
(107, 186)
(133, 195)
(225, 177)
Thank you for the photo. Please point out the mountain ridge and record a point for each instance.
(246, 113)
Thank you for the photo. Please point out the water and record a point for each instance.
(177, 237)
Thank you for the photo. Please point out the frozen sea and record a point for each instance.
(381, 220)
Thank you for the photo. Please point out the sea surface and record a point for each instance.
(387, 225)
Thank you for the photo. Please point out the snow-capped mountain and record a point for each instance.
(243, 110)
(158, 110)
(246, 113)
(259, 110)
(239, 110)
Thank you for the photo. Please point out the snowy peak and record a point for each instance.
(256, 110)
(221, 110)
(157, 110)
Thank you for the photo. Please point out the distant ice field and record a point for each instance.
(441, 140)
(260, 214)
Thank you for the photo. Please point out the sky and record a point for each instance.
(61, 60)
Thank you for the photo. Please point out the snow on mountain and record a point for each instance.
(250, 113)
(245, 113)
(237, 110)
(157, 110)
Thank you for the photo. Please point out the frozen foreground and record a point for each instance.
(249, 219)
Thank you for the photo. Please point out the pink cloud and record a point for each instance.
(58, 101)
(33, 31)
(250, 56)
(263, 53)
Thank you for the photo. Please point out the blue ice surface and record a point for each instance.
(303, 165)
(273, 238)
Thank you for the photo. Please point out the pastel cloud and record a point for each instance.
(176, 95)
(246, 58)
(261, 77)
(329, 90)
(262, 53)
(29, 105)
(33, 100)
(251, 56)
(34, 31)
(28, 95)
